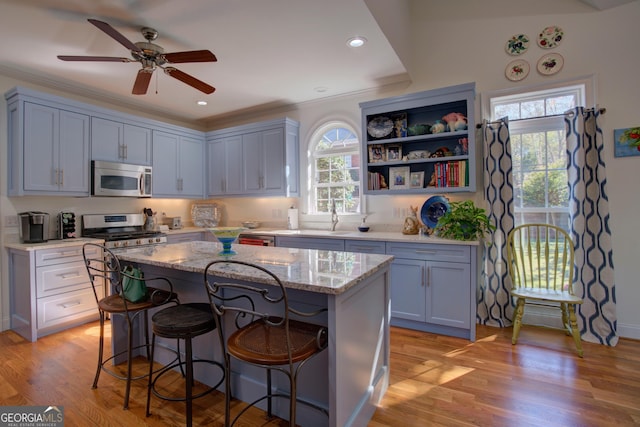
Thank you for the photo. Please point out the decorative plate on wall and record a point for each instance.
(550, 64)
(517, 70)
(550, 37)
(517, 45)
(380, 127)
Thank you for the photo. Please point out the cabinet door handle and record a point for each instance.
(428, 276)
(61, 177)
(68, 275)
(124, 156)
(423, 275)
(69, 304)
(425, 251)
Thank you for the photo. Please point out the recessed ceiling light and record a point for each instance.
(321, 89)
(356, 41)
(202, 103)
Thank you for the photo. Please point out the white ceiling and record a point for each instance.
(270, 52)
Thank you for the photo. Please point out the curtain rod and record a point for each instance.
(568, 113)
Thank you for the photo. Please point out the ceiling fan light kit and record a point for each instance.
(150, 56)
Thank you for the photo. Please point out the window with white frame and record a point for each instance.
(538, 148)
(335, 169)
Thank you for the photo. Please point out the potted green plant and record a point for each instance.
(464, 221)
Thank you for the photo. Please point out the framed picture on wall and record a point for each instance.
(627, 142)
(399, 178)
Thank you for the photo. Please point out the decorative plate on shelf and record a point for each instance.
(380, 127)
(517, 70)
(517, 45)
(550, 37)
(550, 64)
(433, 209)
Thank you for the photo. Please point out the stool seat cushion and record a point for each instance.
(115, 303)
(266, 344)
(184, 319)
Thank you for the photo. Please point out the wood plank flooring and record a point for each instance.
(435, 381)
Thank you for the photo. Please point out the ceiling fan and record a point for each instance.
(150, 55)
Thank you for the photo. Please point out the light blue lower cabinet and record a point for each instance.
(433, 288)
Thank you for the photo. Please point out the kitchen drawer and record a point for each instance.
(53, 279)
(364, 246)
(310, 243)
(66, 308)
(429, 252)
(61, 255)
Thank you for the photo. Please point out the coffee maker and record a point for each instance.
(34, 227)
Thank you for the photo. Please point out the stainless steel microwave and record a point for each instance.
(120, 179)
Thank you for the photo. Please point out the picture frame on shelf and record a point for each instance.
(393, 152)
(399, 178)
(377, 153)
(416, 179)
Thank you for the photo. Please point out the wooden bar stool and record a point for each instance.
(182, 322)
(105, 271)
(266, 336)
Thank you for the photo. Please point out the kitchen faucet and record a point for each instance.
(334, 215)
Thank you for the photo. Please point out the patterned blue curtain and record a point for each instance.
(495, 305)
(589, 219)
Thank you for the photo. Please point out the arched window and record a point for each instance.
(334, 152)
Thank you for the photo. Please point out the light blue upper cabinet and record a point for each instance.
(259, 159)
(120, 142)
(48, 150)
(177, 165)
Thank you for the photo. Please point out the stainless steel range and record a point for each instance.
(121, 230)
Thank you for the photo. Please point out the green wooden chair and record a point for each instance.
(540, 259)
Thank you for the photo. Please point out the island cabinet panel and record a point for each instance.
(51, 147)
(120, 142)
(50, 290)
(178, 165)
(187, 237)
(420, 143)
(259, 159)
(433, 288)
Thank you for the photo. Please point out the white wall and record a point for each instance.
(447, 52)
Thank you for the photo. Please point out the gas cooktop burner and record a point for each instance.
(120, 230)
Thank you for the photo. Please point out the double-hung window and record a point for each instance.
(538, 148)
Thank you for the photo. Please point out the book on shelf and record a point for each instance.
(452, 174)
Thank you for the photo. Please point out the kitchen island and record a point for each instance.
(352, 375)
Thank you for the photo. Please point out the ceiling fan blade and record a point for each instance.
(190, 80)
(190, 56)
(94, 58)
(114, 34)
(142, 82)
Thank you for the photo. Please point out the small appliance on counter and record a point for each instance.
(34, 227)
(66, 225)
(173, 222)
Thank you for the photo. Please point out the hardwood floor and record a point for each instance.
(435, 381)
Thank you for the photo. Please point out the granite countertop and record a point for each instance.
(52, 244)
(319, 271)
(385, 236)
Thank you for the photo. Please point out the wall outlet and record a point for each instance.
(277, 213)
(11, 221)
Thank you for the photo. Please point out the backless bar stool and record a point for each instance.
(182, 322)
